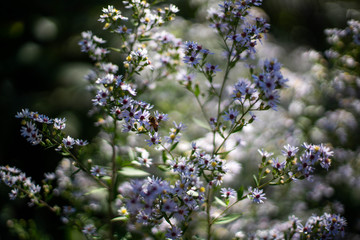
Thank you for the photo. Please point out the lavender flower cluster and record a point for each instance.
(22, 186)
(327, 226)
(49, 127)
(164, 206)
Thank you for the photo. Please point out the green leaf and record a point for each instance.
(115, 49)
(97, 191)
(202, 124)
(224, 154)
(238, 129)
(197, 90)
(145, 39)
(232, 64)
(133, 172)
(122, 218)
(72, 174)
(163, 168)
(131, 155)
(256, 180)
(240, 192)
(174, 146)
(228, 219)
(221, 135)
(164, 157)
(220, 202)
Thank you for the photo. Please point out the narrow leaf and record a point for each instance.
(238, 129)
(240, 192)
(228, 219)
(164, 157)
(122, 218)
(174, 146)
(131, 155)
(97, 191)
(224, 154)
(75, 172)
(201, 124)
(197, 90)
(221, 135)
(220, 202)
(163, 168)
(256, 180)
(133, 172)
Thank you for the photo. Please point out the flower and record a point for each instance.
(145, 160)
(192, 59)
(277, 165)
(97, 171)
(174, 233)
(89, 229)
(231, 115)
(256, 195)
(290, 151)
(154, 139)
(211, 69)
(68, 142)
(228, 193)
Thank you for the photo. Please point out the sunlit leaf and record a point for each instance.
(240, 192)
(256, 180)
(220, 202)
(201, 124)
(122, 218)
(97, 191)
(228, 219)
(133, 172)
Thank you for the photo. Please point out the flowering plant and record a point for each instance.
(121, 188)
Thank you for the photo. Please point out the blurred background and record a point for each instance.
(42, 69)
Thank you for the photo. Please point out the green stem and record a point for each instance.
(81, 166)
(208, 206)
(113, 182)
(167, 150)
(202, 110)
(235, 126)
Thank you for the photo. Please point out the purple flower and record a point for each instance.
(154, 139)
(174, 233)
(256, 195)
(228, 193)
(231, 115)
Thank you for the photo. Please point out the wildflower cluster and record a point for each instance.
(166, 53)
(326, 226)
(295, 166)
(234, 26)
(49, 133)
(92, 45)
(154, 200)
(164, 204)
(22, 186)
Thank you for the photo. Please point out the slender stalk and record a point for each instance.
(242, 198)
(203, 110)
(167, 150)
(86, 170)
(227, 71)
(235, 126)
(113, 182)
(37, 199)
(208, 206)
(226, 209)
